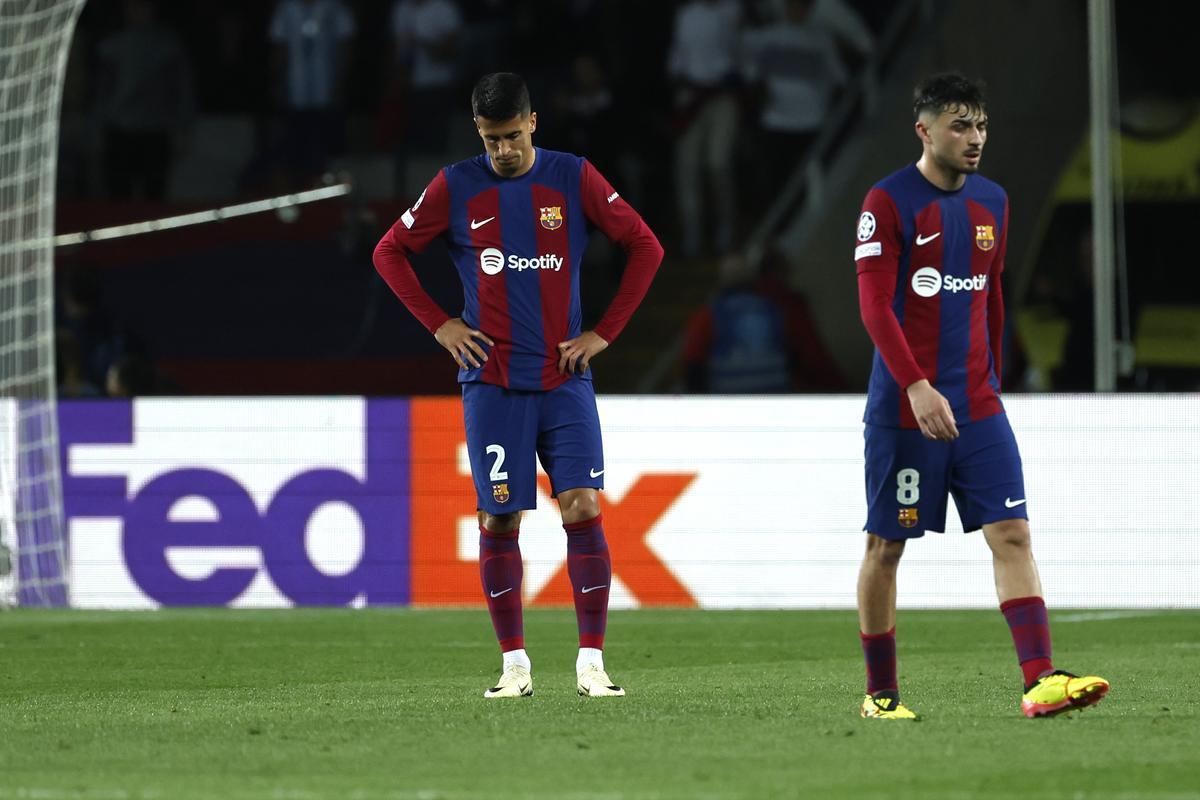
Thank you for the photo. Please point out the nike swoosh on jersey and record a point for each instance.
(477, 225)
(927, 239)
(1010, 503)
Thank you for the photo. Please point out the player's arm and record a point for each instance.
(609, 212)
(417, 227)
(995, 300)
(877, 257)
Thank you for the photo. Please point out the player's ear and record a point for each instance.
(922, 131)
(532, 121)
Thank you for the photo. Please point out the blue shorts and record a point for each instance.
(909, 476)
(507, 429)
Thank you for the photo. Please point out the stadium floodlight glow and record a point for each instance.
(201, 217)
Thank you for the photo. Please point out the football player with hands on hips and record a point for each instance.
(516, 220)
(930, 251)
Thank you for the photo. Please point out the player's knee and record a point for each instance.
(578, 505)
(500, 523)
(884, 552)
(1011, 535)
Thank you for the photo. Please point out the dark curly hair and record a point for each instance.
(946, 91)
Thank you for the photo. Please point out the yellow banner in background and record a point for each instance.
(1154, 168)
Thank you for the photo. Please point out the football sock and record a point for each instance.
(590, 571)
(1030, 629)
(501, 570)
(879, 651)
(589, 655)
(518, 657)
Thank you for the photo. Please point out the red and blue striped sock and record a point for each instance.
(501, 571)
(590, 570)
(1030, 627)
(879, 651)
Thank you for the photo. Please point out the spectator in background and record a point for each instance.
(756, 336)
(145, 96)
(68, 367)
(1074, 298)
(427, 36)
(703, 66)
(132, 375)
(795, 63)
(852, 35)
(231, 79)
(311, 54)
(584, 109)
(87, 335)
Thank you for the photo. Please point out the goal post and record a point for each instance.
(35, 37)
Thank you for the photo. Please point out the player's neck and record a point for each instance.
(947, 180)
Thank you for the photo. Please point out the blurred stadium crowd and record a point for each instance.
(697, 110)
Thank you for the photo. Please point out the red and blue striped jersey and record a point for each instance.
(517, 244)
(929, 266)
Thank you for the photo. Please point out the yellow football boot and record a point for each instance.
(885, 705)
(1061, 691)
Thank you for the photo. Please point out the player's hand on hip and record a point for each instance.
(463, 343)
(574, 355)
(932, 411)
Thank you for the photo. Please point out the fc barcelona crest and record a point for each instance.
(984, 237)
(908, 518)
(551, 217)
(500, 492)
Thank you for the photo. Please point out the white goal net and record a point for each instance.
(34, 39)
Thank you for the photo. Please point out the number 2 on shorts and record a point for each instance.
(497, 474)
(908, 486)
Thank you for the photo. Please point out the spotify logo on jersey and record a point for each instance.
(492, 261)
(926, 281)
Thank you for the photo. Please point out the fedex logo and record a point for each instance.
(265, 502)
(209, 502)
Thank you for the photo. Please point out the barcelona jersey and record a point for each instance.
(929, 264)
(517, 244)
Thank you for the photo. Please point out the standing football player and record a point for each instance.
(516, 220)
(930, 252)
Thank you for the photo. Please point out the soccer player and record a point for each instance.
(930, 252)
(516, 220)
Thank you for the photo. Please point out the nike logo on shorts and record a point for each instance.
(1010, 503)
(596, 474)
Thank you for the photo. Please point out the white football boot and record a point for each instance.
(593, 681)
(515, 681)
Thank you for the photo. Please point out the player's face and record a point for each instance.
(509, 143)
(955, 138)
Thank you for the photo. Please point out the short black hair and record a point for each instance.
(499, 96)
(948, 90)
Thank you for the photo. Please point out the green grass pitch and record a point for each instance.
(386, 705)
